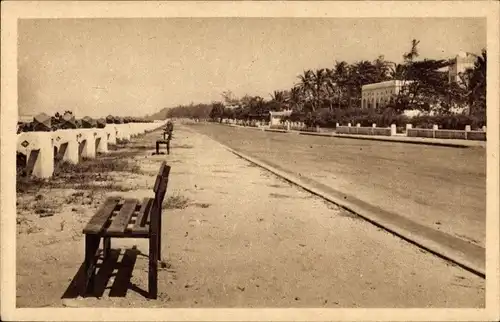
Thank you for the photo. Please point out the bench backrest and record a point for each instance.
(160, 189)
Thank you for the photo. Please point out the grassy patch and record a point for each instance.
(201, 205)
(90, 174)
(114, 162)
(122, 141)
(176, 202)
(44, 207)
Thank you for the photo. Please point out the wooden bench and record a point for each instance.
(167, 137)
(127, 218)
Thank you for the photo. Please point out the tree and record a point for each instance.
(477, 99)
(295, 99)
(279, 100)
(312, 85)
(217, 112)
(341, 80)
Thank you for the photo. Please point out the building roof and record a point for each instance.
(390, 83)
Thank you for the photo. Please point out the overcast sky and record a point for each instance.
(134, 67)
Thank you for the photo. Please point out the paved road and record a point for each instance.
(438, 187)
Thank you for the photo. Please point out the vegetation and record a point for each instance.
(327, 96)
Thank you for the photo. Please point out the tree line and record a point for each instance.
(326, 96)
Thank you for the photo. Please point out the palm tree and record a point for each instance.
(382, 68)
(396, 71)
(319, 81)
(280, 98)
(296, 99)
(341, 76)
(306, 85)
(413, 53)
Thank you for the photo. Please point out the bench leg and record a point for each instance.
(91, 247)
(107, 246)
(157, 148)
(153, 266)
(168, 147)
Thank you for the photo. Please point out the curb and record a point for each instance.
(442, 251)
(421, 142)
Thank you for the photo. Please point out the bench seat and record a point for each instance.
(119, 217)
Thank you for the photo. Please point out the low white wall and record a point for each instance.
(447, 134)
(75, 143)
(383, 131)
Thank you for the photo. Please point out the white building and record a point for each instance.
(462, 62)
(379, 94)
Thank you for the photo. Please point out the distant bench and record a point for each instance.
(167, 137)
(127, 218)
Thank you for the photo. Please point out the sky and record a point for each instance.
(137, 66)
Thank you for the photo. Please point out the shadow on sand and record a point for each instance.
(105, 271)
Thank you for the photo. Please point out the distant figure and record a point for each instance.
(168, 130)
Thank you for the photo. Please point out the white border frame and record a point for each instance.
(11, 11)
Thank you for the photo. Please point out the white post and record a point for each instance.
(358, 125)
(408, 127)
(44, 166)
(374, 125)
(68, 137)
(349, 124)
(434, 129)
(41, 141)
(393, 129)
(484, 128)
(102, 147)
(88, 139)
(467, 129)
(111, 133)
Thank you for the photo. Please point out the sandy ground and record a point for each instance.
(439, 187)
(233, 236)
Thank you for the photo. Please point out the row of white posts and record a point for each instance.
(435, 127)
(75, 143)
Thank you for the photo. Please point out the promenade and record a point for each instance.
(234, 235)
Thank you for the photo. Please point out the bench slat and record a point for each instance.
(120, 222)
(96, 224)
(143, 213)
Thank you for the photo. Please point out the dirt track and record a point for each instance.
(238, 237)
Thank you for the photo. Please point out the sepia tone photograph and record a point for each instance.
(255, 162)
